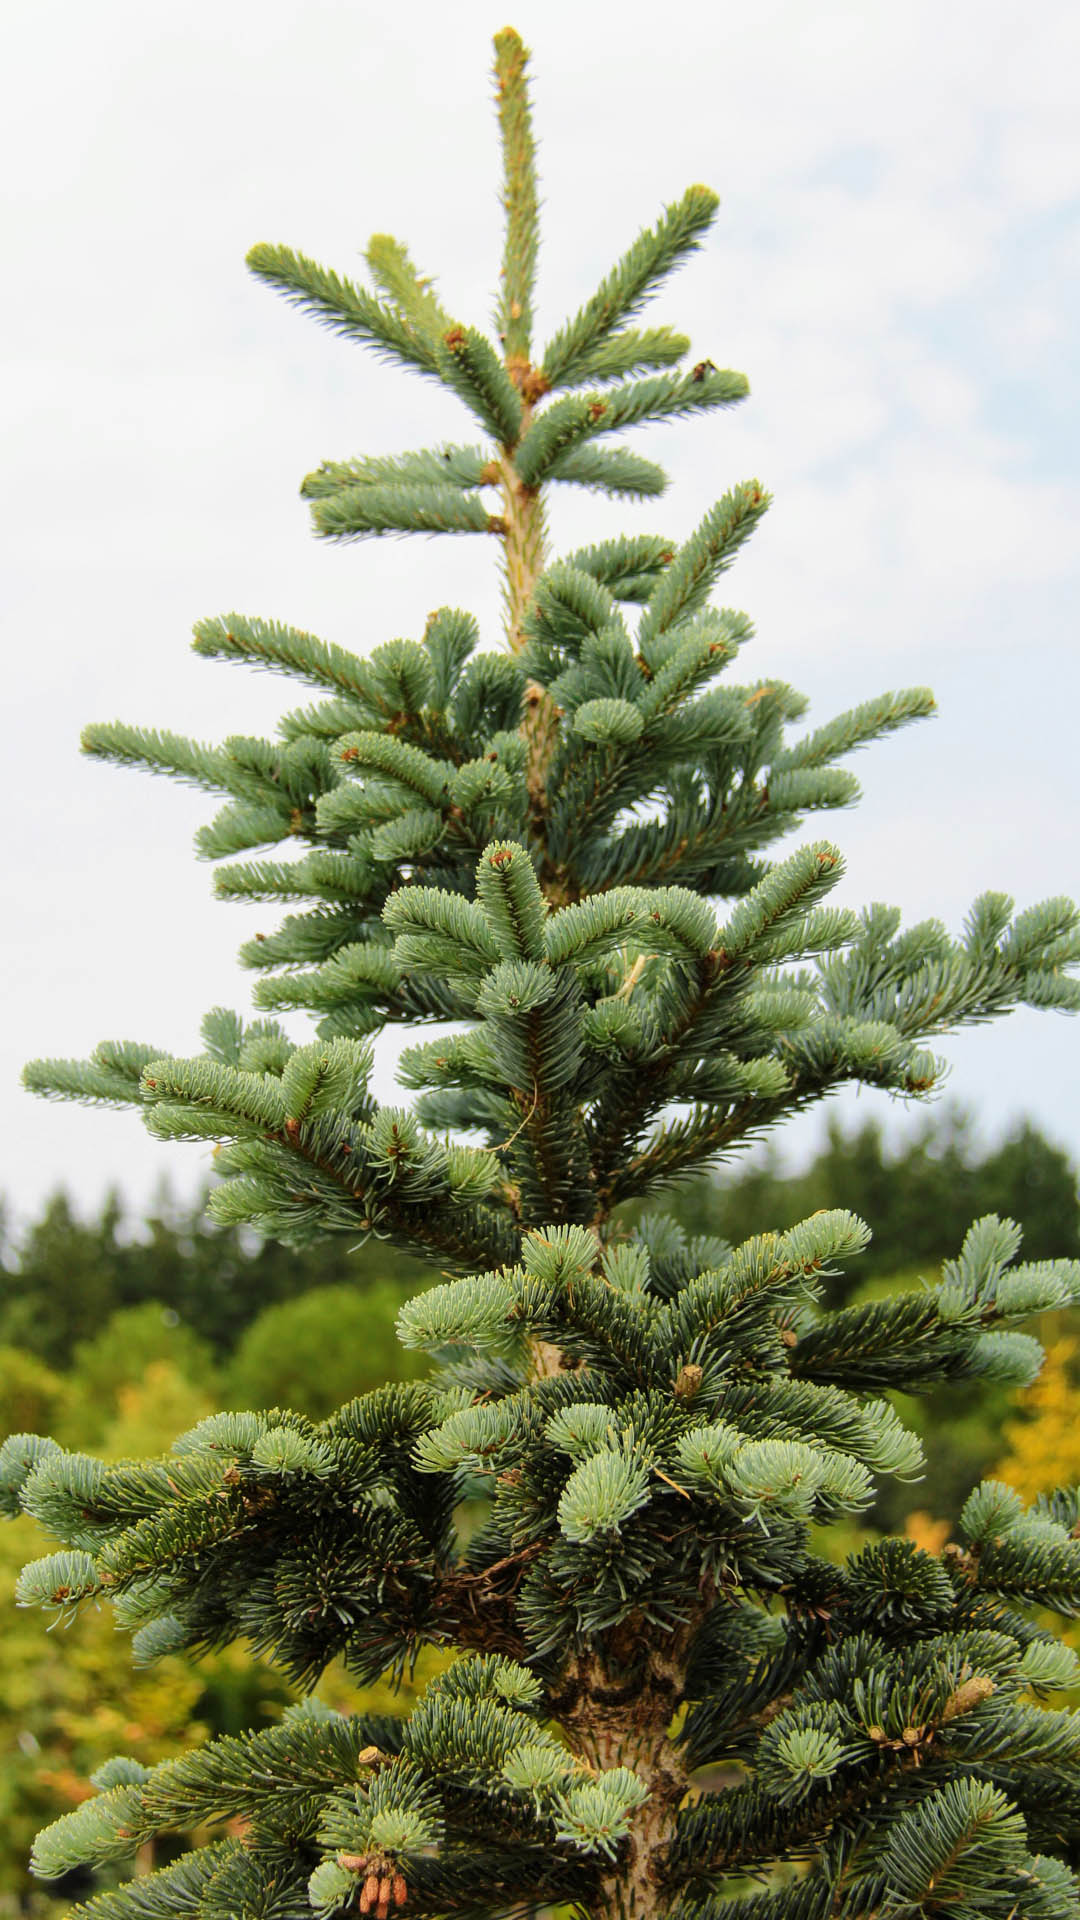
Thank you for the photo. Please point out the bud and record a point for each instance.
(688, 1380)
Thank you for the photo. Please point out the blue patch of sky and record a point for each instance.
(859, 168)
(1029, 390)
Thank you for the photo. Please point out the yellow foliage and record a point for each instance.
(150, 1412)
(927, 1533)
(342, 1693)
(1043, 1442)
(34, 1398)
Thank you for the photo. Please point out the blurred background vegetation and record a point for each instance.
(118, 1333)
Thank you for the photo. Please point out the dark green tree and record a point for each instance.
(563, 850)
(62, 1279)
(65, 1276)
(920, 1194)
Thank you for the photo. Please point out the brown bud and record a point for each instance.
(878, 1735)
(400, 1890)
(688, 1380)
(368, 1756)
(370, 1895)
(967, 1695)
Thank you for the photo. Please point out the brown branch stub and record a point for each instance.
(957, 1560)
(531, 382)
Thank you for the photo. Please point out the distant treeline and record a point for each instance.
(67, 1275)
(918, 1198)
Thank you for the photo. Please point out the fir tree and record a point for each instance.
(564, 848)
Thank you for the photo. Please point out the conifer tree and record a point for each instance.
(563, 848)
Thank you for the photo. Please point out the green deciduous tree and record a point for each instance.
(920, 1194)
(64, 1276)
(317, 1350)
(563, 852)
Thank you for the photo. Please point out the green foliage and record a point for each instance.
(65, 1278)
(134, 1340)
(314, 1352)
(70, 1699)
(604, 1497)
(590, 1472)
(33, 1397)
(920, 1194)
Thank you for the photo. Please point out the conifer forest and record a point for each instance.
(598, 1565)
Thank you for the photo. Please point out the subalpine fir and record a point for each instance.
(612, 1496)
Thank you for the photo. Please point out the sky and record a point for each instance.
(896, 267)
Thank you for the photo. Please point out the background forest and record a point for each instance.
(115, 1333)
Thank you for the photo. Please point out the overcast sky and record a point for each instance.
(896, 267)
